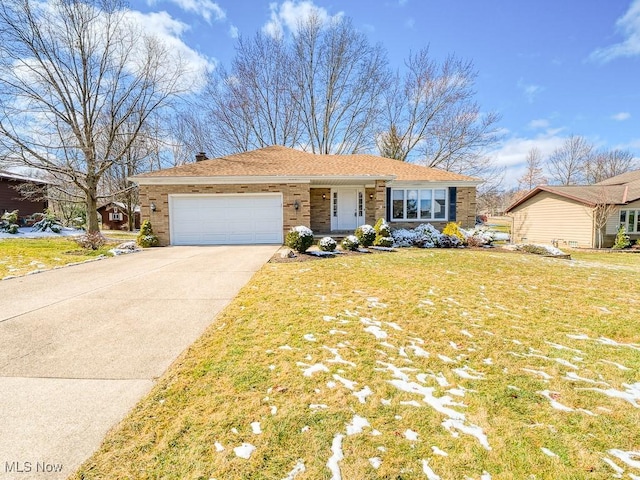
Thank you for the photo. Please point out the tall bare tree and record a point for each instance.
(567, 164)
(253, 104)
(533, 175)
(432, 111)
(609, 163)
(339, 79)
(77, 83)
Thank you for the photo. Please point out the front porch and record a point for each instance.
(337, 210)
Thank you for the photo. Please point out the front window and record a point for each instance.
(419, 205)
(630, 219)
(397, 204)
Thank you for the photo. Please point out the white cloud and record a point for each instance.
(538, 124)
(233, 31)
(410, 23)
(290, 13)
(621, 116)
(530, 90)
(513, 152)
(629, 27)
(205, 8)
(168, 30)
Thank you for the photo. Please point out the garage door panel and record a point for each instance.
(226, 219)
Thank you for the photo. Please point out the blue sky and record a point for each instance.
(551, 68)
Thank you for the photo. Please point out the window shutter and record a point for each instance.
(453, 196)
(388, 215)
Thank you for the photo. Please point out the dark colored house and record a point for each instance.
(114, 216)
(11, 199)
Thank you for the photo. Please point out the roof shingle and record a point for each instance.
(276, 161)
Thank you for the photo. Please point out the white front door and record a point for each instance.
(348, 208)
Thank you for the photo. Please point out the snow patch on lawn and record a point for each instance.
(244, 451)
(334, 460)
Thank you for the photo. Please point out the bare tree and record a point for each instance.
(602, 210)
(609, 163)
(567, 164)
(533, 175)
(252, 105)
(433, 113)
(339, 81)
(77, 83)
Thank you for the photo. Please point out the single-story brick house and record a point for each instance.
(565, 215)
(257, 196)
(114, 216)
(10, 198)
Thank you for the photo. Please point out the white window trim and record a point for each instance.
(635, 230)
(433, 200)
(116, 216)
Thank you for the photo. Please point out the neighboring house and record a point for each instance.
(257, 196)
(114, 216)
(10, 198)
(570, 215)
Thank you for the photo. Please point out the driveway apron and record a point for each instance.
(79, 346)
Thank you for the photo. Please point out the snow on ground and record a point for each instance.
(26, 232)
(335, 363)
(244, 451)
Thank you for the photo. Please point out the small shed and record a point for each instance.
(115, 217)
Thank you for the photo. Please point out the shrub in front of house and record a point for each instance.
(383, 234)
(91, 240)
(366, 235)
(327, 244)
(424, 235)
(299, 238)
(146, 238)
(448, 241)
(9, 222)
(351, 243)
(48, 221)
(622, 239)
(452, 229)
(479, 236)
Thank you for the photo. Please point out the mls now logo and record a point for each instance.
(28, 467)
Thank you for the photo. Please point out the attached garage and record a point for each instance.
(223, 219)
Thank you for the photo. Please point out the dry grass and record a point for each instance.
(23, 256)
(510, 319)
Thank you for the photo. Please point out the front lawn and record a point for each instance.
(449, 364)
(22, 256)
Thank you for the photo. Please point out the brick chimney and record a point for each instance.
(201, 156)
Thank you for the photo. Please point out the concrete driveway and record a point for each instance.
(79, 346)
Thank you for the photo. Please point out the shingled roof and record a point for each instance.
(278, 161)
(618, 190)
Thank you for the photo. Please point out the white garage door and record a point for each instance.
(225, 219)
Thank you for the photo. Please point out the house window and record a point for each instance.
(360, 204)
(115, 216)
(397, 204)
(418, 205)
(335, 204)
(630, 219)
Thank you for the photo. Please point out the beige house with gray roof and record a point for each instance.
(569, 215)
(257, 196)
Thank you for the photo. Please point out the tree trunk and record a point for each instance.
(92, 210)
